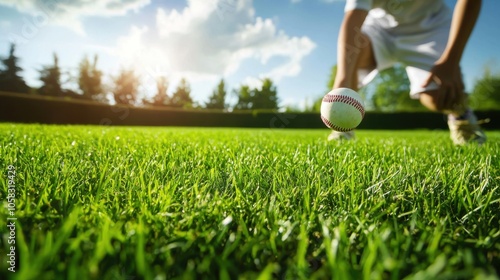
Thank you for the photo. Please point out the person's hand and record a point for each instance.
(450, 95)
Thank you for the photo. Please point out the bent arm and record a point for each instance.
(446, 72)
(464, 19)
(349, 45)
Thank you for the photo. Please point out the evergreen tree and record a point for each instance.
(244, 95)
(126, 87)
(486, 93)
(316, 106)
(51, 79)
(10, 80)
(266, 97)
(161, 98)
(218, 97)
(90, 79)
(182, 95)
(331, 78)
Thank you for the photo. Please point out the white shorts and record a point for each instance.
(417, 48)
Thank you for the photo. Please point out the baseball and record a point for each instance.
(342, 109)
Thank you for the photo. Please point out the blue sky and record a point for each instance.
(242, 41)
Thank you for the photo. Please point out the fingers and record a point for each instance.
(428, 81)
(445, 98)
(450, 95)
(457, 94)
(450, 98)
(441, 98)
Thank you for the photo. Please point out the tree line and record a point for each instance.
(388, 92)
(125, 87)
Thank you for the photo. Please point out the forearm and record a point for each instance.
(464, 19)
(349, 47)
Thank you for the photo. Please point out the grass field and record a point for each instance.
(164, 203)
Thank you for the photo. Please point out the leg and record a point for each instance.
(365, 63)
(366, 60)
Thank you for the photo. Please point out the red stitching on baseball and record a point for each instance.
(334, 127)
(330, 98)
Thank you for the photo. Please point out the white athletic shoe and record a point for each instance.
(339, 136)
(467, 130)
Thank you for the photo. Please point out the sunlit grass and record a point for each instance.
(133, 203)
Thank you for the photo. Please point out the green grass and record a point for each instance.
(164, 203)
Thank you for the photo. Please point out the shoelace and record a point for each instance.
(487, 120)
(469, 129)
(466, 122)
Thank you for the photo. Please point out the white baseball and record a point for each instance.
(342, 109)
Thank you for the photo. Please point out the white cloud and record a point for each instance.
(296, 1)
(211, 38)
(252, 82)
(5, 24)
(70, 13)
